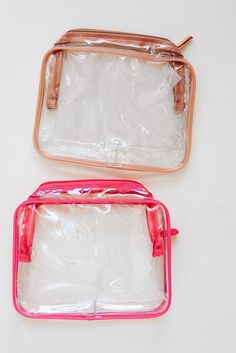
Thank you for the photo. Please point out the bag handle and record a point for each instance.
(54, 80)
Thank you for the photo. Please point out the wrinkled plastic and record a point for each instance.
(117, 110)
(93, 259)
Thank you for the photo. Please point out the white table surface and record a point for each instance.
(201, 198)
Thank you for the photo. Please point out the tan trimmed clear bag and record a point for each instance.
(116, 99)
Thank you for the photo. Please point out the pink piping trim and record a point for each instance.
(151, 314)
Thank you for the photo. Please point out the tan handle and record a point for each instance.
(179, 88)
(54, 80)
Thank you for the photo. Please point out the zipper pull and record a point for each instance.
(158, 244)
(184, 42)
(174, 232)
(157, 235)
(27, 234)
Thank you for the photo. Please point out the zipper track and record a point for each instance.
(114, 32)
(123, 34)
(106, 183)
(165, 44)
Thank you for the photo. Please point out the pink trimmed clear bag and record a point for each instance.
(92, 249)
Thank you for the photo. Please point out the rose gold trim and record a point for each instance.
(104, 164)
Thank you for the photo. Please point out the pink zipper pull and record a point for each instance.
(179, 89)
(174, 232)
(27, 234)
(157, 235)
(158, 244)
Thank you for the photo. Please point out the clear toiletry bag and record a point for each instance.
(117, 100)
(92, 249)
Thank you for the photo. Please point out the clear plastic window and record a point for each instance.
(90, 259)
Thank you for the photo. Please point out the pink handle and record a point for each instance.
(27, 234)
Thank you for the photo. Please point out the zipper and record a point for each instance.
(103, 31)
(78, 32)
(121, 186)
(116, 34)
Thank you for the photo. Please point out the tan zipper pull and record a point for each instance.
(184, 42)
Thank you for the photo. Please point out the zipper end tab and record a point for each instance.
(174, 232)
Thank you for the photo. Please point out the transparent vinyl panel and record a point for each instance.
(118, 110)
(91, 260)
